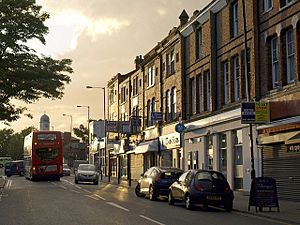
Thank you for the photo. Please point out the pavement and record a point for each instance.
(289, 211)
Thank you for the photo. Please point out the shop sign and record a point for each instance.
(293, 148)
(112, 126)
(171, 141)
(263, 193)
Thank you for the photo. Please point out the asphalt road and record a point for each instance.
(62, 202)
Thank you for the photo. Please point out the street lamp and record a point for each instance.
(105, 134)
(71, 125)
(88, 123)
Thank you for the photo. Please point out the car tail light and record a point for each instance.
(227, 189)
(33, 170)
(198, 187)
(61, 169)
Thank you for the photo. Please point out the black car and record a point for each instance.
(202, 187)
(14, 168)
(156, 181)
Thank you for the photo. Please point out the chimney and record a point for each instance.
(184, 17)
(138, 60)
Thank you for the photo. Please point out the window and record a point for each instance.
(111, 95)
(290, 56)
(192, 96)
(173, 103)
(236, 77)
(226, 81)
(190, 160)
(199, 43)
(207, 94)
(267, 5)
(238, 159)
(151, 76)
(170, 63)
(200, 93)
(135, 86)
(210, 152)
(234, 20)
(223, 153)
(275, 62)
(168, 105)
(284, 3)
(123, 94)
(195, 160)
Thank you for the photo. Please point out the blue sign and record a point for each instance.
(156, 116)
(180, 128)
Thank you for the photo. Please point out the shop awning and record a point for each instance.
(148, 146)
(288, 138)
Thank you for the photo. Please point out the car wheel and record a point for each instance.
(152, 194)
(138, 191)
(170, 198)
(228, 206)
(96, 182)
(188, 203)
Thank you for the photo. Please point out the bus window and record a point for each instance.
(47, 153)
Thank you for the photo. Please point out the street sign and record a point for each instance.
(157, 116)
(112, 126)
(180, 128)
(248, 112)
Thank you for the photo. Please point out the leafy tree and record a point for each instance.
(24, 75)
(81, 132)
(5, 136)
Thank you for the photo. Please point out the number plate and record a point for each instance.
(213, 197)
(51, 168)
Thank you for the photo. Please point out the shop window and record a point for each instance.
(210, 152)
(195, 160)
(223, 153)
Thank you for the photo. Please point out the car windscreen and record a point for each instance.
(47, 153)
(86, 167)
(208, 180)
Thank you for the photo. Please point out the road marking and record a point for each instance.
(78, 187)
(76, 191)
(117, 206)
(68, 181)
(100, 197)
(87, 191)
(152, 220)
(8, 184)
(63, 187)
(91, 196)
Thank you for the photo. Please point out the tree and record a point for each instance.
(81, 132)
(5, 136)
(24, 75)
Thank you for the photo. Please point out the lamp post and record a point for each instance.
(71, 125)
(105, 134)
(88, 123)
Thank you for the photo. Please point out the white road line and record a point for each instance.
(78, 187)
(87, 191)
(100, 197)
(8, 184)
(117, 206)
(69, 182)
(63, 187)
(91, 196)
(154, 221)
(76, 191)
(54, 183)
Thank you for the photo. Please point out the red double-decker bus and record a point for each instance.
(43, 155)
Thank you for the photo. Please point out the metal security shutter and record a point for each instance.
(284, 167)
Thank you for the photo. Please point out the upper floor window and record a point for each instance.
(236, 77)
(207, 92)
(234, 19)
(123, 94)
(111, 95)
(284, 3)
(135, 86)
(199, 43)
(192, 96)
(151, 76)
(275, 61)
(173, 103)
(200, 93)
(168, 105)
(225, 72)
(268, 5)
(290, 56)
(170, 63)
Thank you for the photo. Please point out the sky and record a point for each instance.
(102, 37)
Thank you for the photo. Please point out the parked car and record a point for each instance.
(156, 181)
(202, 187)
(14, 168)
(66, 170)
(86, 173)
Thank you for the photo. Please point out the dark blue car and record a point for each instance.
(14, 168)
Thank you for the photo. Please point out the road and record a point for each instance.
(62, 202)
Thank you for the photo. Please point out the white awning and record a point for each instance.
(288, 138)
(149, 146)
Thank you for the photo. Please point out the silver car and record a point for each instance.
(86, 173)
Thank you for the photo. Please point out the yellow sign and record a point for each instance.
(262, 112)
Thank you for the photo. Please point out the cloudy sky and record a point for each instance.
(102, 37)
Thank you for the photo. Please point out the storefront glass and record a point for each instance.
(223, 153)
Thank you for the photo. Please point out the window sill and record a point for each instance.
(268, 10)
(150, 86)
